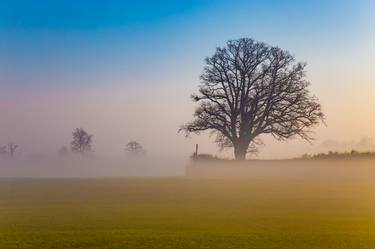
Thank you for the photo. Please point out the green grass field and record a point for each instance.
(185, 213)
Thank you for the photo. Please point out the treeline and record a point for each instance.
(82, 143)
(339, 155)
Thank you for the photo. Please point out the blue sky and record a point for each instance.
(51, 43)
(83, 15)
(65, 64)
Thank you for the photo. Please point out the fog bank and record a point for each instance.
(325, 169)
(78, 166)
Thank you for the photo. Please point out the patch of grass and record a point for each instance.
(185, 213)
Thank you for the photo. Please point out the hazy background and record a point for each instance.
(124, 70)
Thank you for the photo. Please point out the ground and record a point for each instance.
(186, 213)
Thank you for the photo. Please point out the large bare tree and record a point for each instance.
(82, 141)
(249, 88)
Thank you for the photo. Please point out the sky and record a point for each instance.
(124, 70)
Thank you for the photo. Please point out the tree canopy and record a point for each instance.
(135, 148)
(82, 141)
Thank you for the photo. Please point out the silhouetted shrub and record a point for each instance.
(339, 155)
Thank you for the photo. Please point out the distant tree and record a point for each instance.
(12, 147)
(133, 147)
(249, 88)
(82, 141)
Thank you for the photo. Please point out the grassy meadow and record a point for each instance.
(186, 213)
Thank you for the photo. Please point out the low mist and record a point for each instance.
(76, 165)
(294, 169)
(91, 166)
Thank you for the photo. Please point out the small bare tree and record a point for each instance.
(82, 141)
(12, 147)
(249, 88)
(134, 148)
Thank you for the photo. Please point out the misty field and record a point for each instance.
(186, 213)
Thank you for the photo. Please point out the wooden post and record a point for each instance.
(196, 150)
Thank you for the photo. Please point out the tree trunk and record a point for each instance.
(240, 152)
